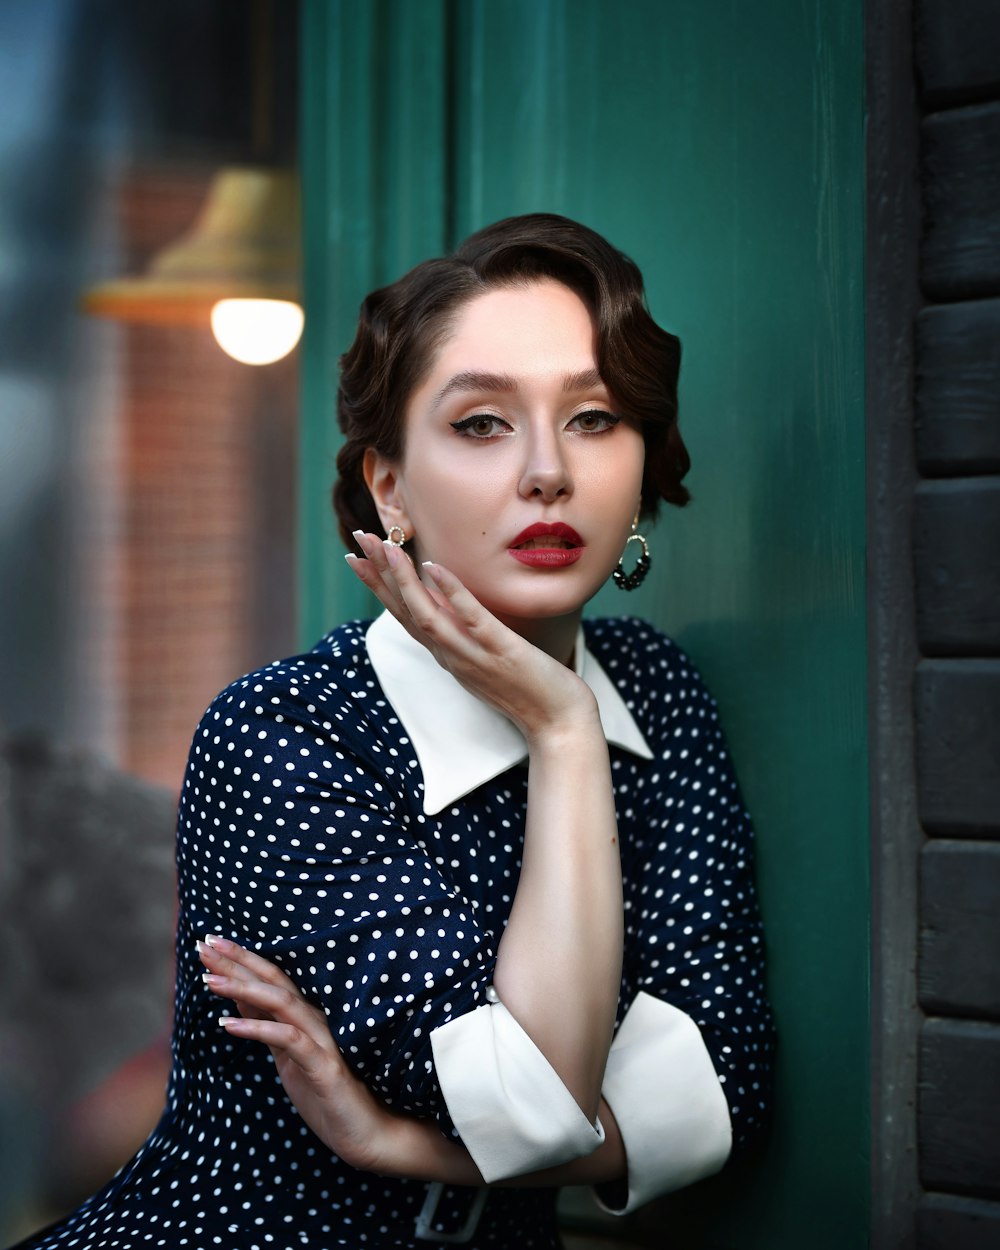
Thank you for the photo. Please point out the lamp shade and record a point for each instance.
(244, 244)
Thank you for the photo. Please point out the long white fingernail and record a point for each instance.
(211, 940)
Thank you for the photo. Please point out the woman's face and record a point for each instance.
(517, 474)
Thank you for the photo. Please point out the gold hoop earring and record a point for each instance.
(633, 580)
(396, 542)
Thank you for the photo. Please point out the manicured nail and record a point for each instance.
(224, 1020)
(212, 980)
(392, 553)
(211, 939)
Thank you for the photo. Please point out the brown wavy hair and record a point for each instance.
(402, 326)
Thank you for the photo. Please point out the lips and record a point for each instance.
(547, 544)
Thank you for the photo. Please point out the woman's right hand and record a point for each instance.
(532, 689)
(336, 1105)
(332, 1100)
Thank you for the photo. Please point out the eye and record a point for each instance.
(594, 421)
(480, 425)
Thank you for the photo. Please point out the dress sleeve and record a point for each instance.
(296, 842)
(688, 1074)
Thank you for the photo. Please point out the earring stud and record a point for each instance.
(391, 536)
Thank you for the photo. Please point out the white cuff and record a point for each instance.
(514, 1113)
(662, 1086)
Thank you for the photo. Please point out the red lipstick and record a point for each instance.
(547, 545)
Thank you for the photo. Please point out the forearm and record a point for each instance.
(558, 967)
(419, 1152)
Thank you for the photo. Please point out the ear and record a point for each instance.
(385, 484)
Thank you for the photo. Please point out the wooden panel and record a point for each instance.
(946, 1222)
(961, 164)
(958, 388)
(957, 705)
(959, 1106)
(959, 965)
(957, 45)
(747, 222)
(956, 553)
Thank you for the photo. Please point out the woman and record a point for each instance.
(478, 879)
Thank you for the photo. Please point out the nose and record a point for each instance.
(546, 473)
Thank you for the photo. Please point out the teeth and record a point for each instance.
(544, 544)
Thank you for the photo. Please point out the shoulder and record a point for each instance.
(659, 683)
(315, 719)
(331, 683)
(336, 660)
(634, 653)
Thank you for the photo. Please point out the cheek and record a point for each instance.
(464, 489)
(450, 510)
(621, 480)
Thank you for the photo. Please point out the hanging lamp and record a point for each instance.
(238, 268)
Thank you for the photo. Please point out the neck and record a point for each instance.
(555, 635)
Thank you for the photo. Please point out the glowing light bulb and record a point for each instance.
(257, 331)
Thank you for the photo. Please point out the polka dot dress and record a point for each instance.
(301, 834)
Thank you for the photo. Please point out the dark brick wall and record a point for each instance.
(956, 570)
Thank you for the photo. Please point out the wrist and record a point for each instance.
(574, 723)
(417, 1150)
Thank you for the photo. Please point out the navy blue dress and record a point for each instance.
(301, 834)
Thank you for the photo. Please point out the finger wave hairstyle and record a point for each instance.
(402, 326)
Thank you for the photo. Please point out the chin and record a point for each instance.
(543, 601)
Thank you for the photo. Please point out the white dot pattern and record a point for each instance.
(301, 834)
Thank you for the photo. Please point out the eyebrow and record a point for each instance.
(504, 383)
(584, 381)
(475, 381)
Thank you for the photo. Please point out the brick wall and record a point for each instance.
(191, 562)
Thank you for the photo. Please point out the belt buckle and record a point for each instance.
(425, 1219)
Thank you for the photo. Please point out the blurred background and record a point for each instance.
(147, 538)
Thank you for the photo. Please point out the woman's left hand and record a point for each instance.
(336, 1104)
(537, 692)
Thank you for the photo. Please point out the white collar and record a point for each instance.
(460, 741)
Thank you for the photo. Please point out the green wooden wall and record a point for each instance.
(720, 144)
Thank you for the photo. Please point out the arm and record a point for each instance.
(558, 966)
